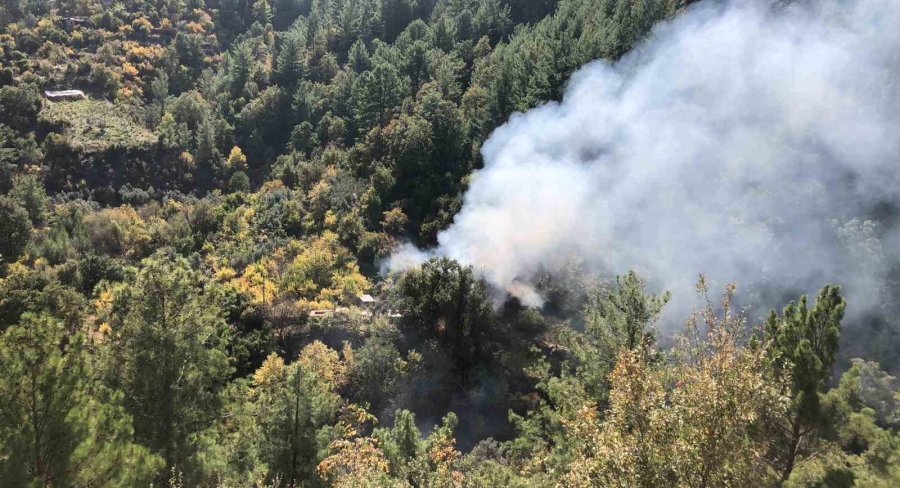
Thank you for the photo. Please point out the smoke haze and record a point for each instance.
(749, 143)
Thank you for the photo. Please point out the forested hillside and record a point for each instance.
(193, 288)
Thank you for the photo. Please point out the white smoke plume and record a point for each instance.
(750, 143)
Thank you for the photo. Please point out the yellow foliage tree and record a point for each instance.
(354, 461)
(260, 281)
(194, 28)
(324, 271)
(142, 26)
(690, 423)
(119, 230)
(324, 362)
(271, 371)
(237, 161)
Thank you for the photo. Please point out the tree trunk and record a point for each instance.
(792, 452)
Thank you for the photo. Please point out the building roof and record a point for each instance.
(64, 94)
(365, 298)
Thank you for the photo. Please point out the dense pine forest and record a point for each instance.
(200, 202)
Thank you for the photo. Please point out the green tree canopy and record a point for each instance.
(167, 352)
(56, 427)
(803, 342)
(15, 230)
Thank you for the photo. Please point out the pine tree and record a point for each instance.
(55, 428)
(290, 61)
(293, 402)
(30, 193)
(803, 343)
(167, 352)
(376, 96)
(358, 59)
(395, 14)
(616, 320)
(448, 302)
(15, 230)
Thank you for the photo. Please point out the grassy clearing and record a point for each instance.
(95, 126)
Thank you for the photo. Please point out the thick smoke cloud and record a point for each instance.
(750, 143)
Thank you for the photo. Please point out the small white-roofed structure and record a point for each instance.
(59, 95)
(366, 299)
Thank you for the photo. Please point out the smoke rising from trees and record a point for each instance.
(750, 143)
